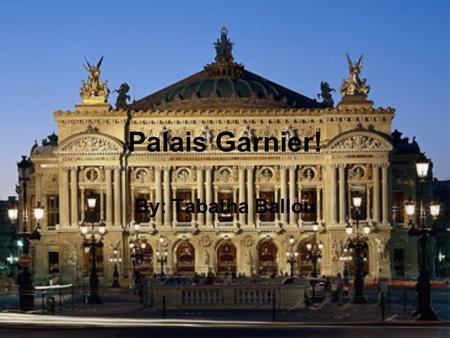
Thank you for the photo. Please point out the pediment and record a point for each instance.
(360, 141)
(90, 143)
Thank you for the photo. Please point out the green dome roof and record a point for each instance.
(224, 83)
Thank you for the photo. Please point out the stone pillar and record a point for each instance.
(318, 202)
(376, 193)
(241, 174)
(333, 209)
(74, 196)
(158, 195)
(167, 197)
(384, 178)
(64, 195)
(292, 186)
(250, 196)
(109, 197)
(342, 194)
(284, 194)
(117, 197)
(208, 194)
(200, 194)
(82, 201)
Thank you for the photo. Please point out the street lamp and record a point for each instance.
(291, 255)
(115, 258)
(359, 244)
(138, 247)
(23, 241)
(424, 310)
(93, 239)
(314, 255)
(161, 255)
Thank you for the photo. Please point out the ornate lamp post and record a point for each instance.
(13, 259)
(24, 279)
(424, 309)
(137, 246)
(314, 255)
(291, 256)
(359, 244)
(115, 258)
(93, 239)
(161, 255)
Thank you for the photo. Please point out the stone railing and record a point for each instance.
(224, 297)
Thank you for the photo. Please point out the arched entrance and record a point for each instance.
(267, 258)
(304, 262)
(142, 259)
(185, 255)
(226, 258)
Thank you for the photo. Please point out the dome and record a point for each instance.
(224, 83)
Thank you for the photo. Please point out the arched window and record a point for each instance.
(226, 258)
(267, 258)
(185, 254)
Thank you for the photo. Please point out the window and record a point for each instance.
(140, 216)
(225, 198)
(53, 262)
(399, 262)
(308, 199)
(185, 197)
(52, 211)
(397, 207)
(95, 214)
(268, 196)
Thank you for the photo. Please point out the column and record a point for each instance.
(241, 176)
(117, 197)
(133, 210)
(82, 201)
(384, 179)
(208, 195)
(292, 186)
(376, 193)
(368, 204)
(74, 195)
(250, 196)
(333, 209)
(341, 194)
(109, 197)
(64, 195)
(284, 197)
(200, 194)
(167, 197)
(318, 202)
(158, 195)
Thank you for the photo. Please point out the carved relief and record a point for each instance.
(361, 142)
(90, 144)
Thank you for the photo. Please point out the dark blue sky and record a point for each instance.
(151, 44)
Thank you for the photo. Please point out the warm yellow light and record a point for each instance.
(12, 214)
(422, 167)
(357, 201)
(435, 209)
(410, 208)
(38, 212)
(348, 229)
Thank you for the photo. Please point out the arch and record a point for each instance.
(267, 258)
(226, 258)
(360, 140)
(90, 142)
(304, 264)
(185, 258)
(143, 260)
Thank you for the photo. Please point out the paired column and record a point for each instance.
(384, 178)
(341, 194)
(284, 194)
(241, 177)
(292, 186)
(117, 197)
(74, 195)
(200, 194)
(109, 197)
(158, 195)
(64, 195)
(167, 197)
(333, 209)
(376, 193)
(208, 194)
(318, 205)
(250, 196)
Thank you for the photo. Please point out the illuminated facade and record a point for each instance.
(90, 157)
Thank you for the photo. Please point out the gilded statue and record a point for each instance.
(94, 90)
(354, 85)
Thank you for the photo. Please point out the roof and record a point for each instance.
(224, 83)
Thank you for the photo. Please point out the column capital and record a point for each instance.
(341, 165)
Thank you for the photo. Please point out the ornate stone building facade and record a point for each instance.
(92, 157)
